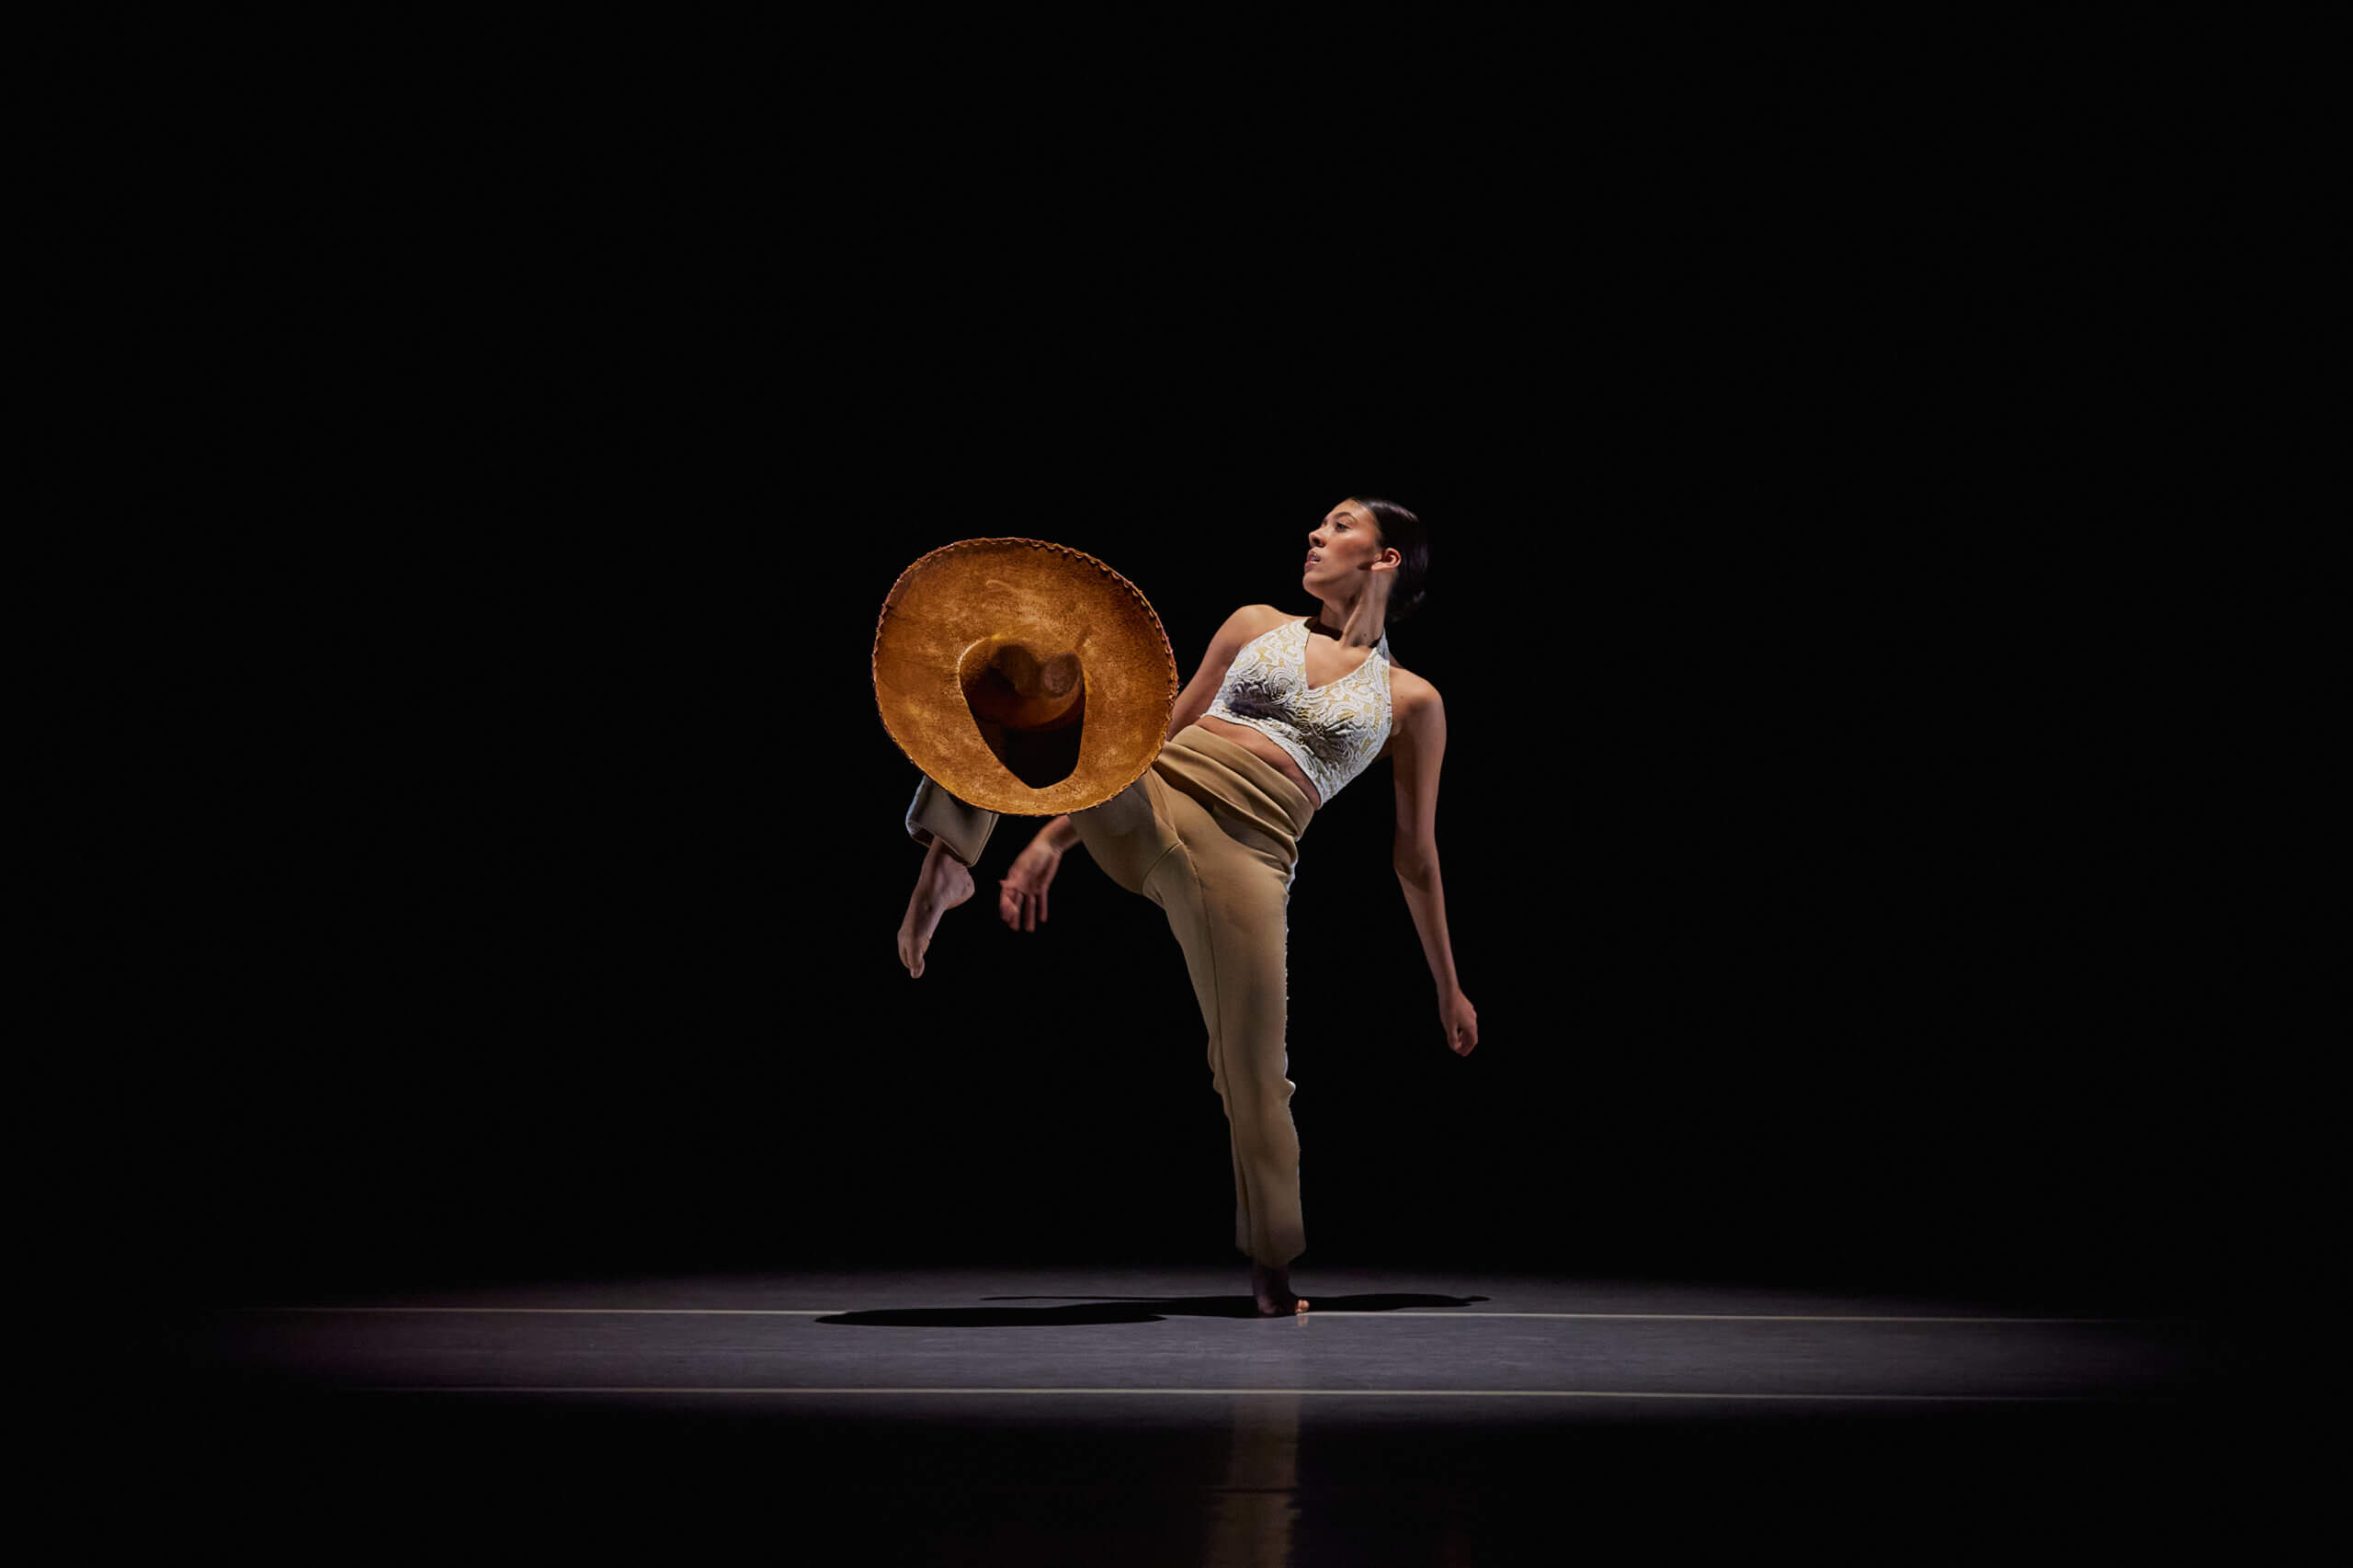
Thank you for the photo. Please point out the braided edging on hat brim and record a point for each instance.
(874, 658)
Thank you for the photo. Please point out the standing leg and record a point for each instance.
(1226, 902)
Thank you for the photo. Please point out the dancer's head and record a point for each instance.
(1366, 535)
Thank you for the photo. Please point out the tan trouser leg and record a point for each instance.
(960, 827)
(1226, 902)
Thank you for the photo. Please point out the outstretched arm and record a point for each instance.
(1421, 746)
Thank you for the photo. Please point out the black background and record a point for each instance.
(514, 854)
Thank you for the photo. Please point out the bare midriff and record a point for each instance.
(1257, 743)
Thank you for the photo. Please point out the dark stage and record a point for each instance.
(1824, 973)
(500, 904)
(1147, 1415)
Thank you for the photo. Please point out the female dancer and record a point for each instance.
(1284, 710)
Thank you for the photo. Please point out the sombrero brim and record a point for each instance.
(1055, 599)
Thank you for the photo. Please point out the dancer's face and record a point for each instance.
(1346, 542)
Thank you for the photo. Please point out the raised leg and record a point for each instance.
(952, 833)
(941, 886)
(934, 817)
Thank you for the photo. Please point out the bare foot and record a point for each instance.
(941, 885)
(1272, 1286)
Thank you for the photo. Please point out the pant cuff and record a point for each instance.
(959, 827)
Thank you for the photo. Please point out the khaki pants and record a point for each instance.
(1210, 834)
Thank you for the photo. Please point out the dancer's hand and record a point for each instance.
(1462, 1021)
(1021, 896)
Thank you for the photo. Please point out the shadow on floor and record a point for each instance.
(1127, 1309)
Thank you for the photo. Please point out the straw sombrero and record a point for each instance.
(1023, 676)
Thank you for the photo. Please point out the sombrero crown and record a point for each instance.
(1023, 676)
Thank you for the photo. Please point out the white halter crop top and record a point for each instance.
(1332, 730)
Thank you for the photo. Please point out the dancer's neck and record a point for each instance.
(1361, 625)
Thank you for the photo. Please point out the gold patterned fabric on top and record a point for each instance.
(1333, 732)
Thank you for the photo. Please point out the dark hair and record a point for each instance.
(1402, 532)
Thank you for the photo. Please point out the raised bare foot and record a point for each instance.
(941, 885)
(1272, 1286)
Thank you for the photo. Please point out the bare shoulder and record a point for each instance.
(1409, 695)
(1412, 701)
(1243, 627)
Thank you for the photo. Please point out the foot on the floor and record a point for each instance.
(1272, 1287)
(942, 884)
